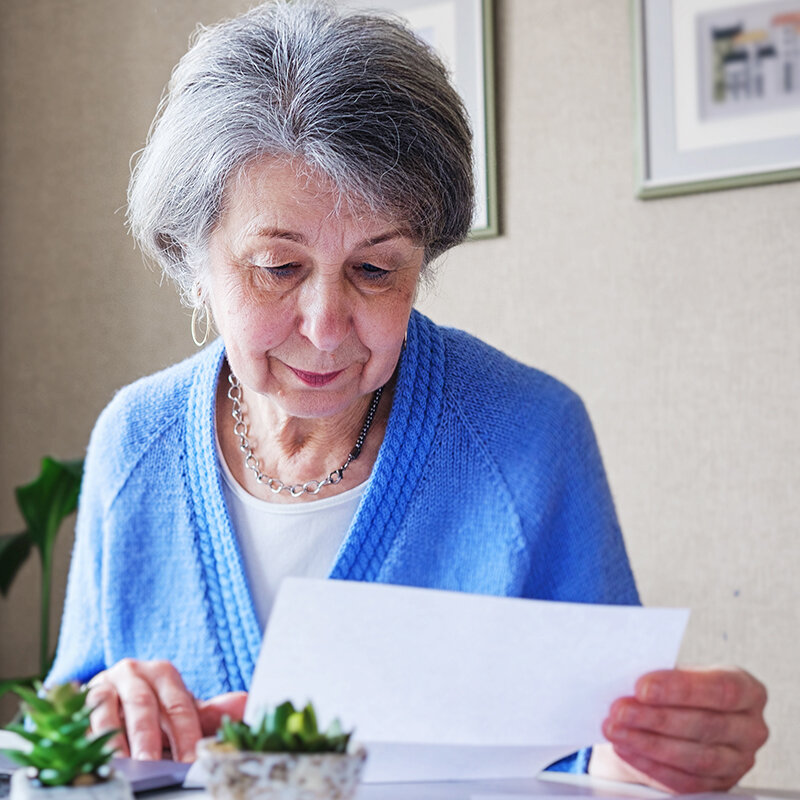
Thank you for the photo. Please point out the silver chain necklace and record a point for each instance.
(276, 485)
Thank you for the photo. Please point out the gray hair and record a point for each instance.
(356, 98)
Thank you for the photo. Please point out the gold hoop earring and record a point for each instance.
(195, 314)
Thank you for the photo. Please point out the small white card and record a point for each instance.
(480, 679)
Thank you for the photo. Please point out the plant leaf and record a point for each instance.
(72, 730)
(75, 703)
(32, 736)
(47, 500)
(9, 684)
(231, 735)
(14, 550)
(282, 714)
(284, 729)
(310, 720)
(103, 738)
(34, 702)
(95, 753)
(57, 777)
(296, 723)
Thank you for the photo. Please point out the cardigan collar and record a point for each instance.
(413, 420)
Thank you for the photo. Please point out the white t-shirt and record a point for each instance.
(278, 540)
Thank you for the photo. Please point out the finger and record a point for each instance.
(694, 758)
(105, 716)
(671, 778)
(740, 730)
(141, 710)
(178, 711)
(717, 689)
(211, 711)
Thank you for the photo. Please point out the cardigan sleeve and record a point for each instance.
(580, 553)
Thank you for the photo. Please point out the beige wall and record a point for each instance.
(676, 319)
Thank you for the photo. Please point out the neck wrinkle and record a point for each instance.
(307, 446)
(297, 449)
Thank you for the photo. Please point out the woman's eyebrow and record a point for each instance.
(277, 233)
(380, 238)
(270, 232)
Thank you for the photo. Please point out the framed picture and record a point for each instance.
(462, 34)
(718, 93)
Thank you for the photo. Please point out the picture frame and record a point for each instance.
(462, 33)
(717, 86)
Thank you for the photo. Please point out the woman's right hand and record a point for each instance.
(150, 703)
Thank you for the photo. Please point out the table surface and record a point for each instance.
(552, 785)
(558, 786)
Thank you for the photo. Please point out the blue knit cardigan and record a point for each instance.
(489, 480)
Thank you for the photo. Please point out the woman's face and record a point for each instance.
(312, 302)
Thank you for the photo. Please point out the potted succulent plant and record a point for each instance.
(285, 756)
(63, 762)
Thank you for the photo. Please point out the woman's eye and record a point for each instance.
(279, 271)
(370, 271)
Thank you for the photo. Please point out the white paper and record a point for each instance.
(605, 787)
(622, 794)
(526, 797)
(427, 667)
(393, 762)
(620, 791)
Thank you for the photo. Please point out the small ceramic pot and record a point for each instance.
(239, 775)
(114, 788)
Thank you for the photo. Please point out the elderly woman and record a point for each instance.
(304, 172)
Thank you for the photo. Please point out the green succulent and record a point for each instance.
(285, 729)
(58, 725)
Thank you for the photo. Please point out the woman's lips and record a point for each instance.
(316, 378)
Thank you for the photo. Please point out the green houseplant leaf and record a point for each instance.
(47, 500)
(44, 504)
(14, 551)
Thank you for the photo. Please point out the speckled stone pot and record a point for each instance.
(237, 775)
(115, 788)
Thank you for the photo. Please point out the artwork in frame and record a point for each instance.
(718, 93)
(461, 32)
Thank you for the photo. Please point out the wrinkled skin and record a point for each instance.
(685, 730)
(155, 711)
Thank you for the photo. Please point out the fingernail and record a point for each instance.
(188, 758)
(624, 715)
(617, 732)
(653, 692)
(145, 755)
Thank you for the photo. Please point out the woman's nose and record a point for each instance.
(325, 314)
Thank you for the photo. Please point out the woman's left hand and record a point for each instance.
(690, 730)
